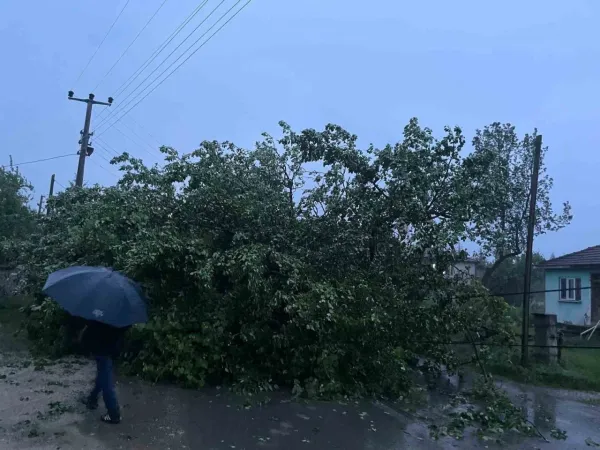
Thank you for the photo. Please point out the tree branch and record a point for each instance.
(490, 270)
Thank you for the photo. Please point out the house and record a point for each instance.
(572, 285)
(467, 268)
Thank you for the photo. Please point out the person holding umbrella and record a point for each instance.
(104, 342)
(111, 303)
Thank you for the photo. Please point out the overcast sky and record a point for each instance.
(368, 66)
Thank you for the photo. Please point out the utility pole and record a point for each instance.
(40, 205)
(50, 193)
(529, 252)
(85, 134)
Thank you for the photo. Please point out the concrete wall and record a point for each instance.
(8, 283)
(466, 269)
(568, 311)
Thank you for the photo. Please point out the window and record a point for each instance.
(570, 289)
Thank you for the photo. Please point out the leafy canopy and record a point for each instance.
(499, 224)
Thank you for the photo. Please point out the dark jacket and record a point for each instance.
(103, 340)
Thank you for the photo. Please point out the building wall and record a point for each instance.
(9, 281)
(466, 269)
(568, 311)
(462, 268)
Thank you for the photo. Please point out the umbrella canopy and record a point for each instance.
(98, 293)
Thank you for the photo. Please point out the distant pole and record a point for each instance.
(529, 252)
(40, 205)
(85, 134)
(50, 193)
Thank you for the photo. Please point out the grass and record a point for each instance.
(579, 368)
(584, 362)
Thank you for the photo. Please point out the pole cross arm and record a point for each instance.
(90, 99)
(87, 100)
(84, 100)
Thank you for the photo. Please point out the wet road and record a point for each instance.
(172, 418)
(39, 411)
(577, 413)
(165, 417)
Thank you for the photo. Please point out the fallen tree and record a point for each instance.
(303, 262)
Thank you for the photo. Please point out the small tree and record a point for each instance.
(499, 223)
(16, 218)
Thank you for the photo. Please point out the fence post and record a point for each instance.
(546, 338)
(561, 341)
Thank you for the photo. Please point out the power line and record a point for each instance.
(115, 151)
(508, 294)
(112, 113)
(159, 50)
(145, 130)
(129, 46)
(38, 160)
(505, 345)
(102, 42)
(104, 168)
(161, 47)
(59, 183)
(106, 144)
(102, 156)
(440, 343)
(151, 153)
(151, 146)
(185, 60)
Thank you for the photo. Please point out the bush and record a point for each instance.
(46, 327)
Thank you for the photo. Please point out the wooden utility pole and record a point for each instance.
(85, 134)
(50, 193)
(529, 252)
(40, 205)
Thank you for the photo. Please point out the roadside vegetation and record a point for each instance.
(578, 369)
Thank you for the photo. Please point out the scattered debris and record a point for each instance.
(591, 443)
(558, 434)
(34, 432)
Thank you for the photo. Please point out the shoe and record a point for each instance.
(106, 418)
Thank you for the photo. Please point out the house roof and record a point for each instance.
(587, 257)
(471, 259)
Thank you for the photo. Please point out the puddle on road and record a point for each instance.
(553, 411)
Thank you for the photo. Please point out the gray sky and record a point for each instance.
(368, 66)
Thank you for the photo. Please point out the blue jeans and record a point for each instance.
(105, 384)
